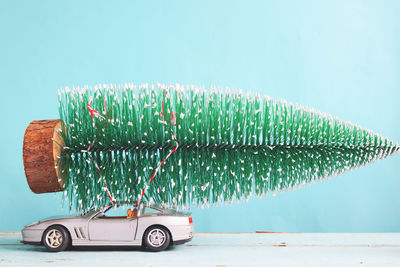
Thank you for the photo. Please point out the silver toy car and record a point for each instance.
(150, 226)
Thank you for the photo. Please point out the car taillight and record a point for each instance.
(190, 220)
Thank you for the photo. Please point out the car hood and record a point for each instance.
(48, 221)
(57, 218)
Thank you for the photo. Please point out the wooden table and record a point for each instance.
(223, 249)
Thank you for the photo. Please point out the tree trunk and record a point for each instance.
(40, 156)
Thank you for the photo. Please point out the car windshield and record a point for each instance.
(89, 212)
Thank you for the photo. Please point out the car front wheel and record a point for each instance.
(56, 238)
(156, 238)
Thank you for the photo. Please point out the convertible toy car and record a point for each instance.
(150, 226)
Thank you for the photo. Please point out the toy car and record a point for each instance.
(150, 226)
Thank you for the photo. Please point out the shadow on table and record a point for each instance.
(105, 248)
(22, 247)
(113, 248)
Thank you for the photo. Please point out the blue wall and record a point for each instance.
(340, 57)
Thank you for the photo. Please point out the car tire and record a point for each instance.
(56, 238)
(156, 238)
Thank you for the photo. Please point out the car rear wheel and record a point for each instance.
(156, 238)
(56, 238)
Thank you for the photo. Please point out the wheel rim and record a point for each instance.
(156, 237)
(54, 238)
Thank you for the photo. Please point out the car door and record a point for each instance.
(112, 228)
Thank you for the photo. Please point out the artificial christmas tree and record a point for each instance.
(214, 146)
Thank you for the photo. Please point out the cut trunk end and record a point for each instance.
(40, 154)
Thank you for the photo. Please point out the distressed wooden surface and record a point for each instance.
(223, 249)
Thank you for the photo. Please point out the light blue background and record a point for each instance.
(340, 57)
